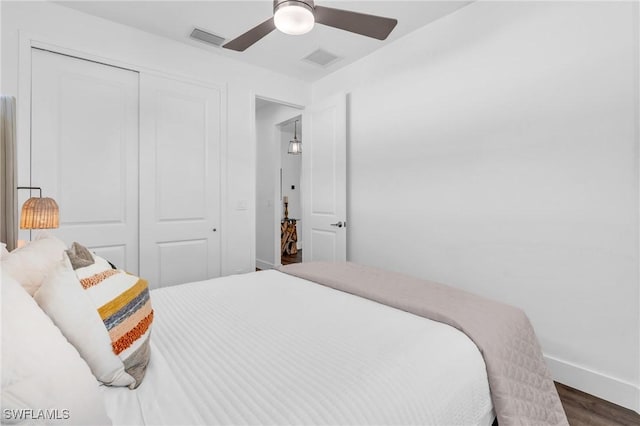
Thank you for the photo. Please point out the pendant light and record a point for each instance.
(295, 146)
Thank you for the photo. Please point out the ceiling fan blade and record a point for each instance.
(360, 23)
(246, 40)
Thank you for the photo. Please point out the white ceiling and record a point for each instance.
(277, 51)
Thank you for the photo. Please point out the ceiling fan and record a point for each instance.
(297, 17)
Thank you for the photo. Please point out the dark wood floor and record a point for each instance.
(587, 410)
(289, 259)
(294, 258)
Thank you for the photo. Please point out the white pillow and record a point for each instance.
(41, 370)
(31, 263)
(3, 250)
(75, 307)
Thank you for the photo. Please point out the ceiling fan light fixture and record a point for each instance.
(294, 17)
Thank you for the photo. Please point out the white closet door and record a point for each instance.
(179, 181)
(84, 151)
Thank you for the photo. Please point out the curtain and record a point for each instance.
(8, 191)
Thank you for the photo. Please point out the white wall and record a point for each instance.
(496, 150)
(268, 156)
(60, 26)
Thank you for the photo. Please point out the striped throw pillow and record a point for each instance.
(123, 303)
(106, 314)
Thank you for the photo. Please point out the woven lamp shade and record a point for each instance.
(39, 213)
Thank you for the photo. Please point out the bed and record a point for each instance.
(269, 348)
(313, 344)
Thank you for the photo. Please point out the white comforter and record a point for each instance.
(269, 348)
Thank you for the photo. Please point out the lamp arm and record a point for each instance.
(31, 187)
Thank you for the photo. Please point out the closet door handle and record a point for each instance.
(339, 224)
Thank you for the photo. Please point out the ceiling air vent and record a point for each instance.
(322, 58)
(207, 37)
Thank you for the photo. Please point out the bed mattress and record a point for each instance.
(269, 348)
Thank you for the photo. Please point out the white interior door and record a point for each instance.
(180, 139)
(84, 151)
(324, 173)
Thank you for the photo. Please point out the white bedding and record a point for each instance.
(269, 348)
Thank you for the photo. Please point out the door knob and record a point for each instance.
(339, 224)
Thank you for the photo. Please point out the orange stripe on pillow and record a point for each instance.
(123, 328)
(121, 301)
(127, 340)
(97, 278)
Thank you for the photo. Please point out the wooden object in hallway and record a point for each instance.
(288, 237)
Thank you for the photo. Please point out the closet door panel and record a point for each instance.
(193, 261)
(181, 139)
(180, 181)
(84, 151)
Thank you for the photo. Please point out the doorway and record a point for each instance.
(278, 227)
(291, 167)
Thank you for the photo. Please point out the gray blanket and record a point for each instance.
(521, 387)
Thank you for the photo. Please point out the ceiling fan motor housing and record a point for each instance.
(277, 4)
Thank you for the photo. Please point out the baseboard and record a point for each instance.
(299, 245)
(261, 264)
(606, 387)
